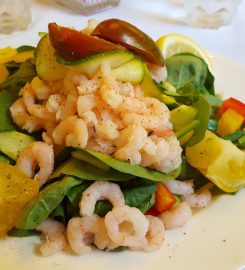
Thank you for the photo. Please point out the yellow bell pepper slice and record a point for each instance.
(16, 189)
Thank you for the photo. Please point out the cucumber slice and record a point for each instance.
(48, 68)
(90, 65)
(13, 142)
(132, 71)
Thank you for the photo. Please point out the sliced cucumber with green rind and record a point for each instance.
(90, 65)
(13, 142)
(132, 71)
(48, 68)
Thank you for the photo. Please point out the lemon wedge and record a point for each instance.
(176, 43)
(220, 161)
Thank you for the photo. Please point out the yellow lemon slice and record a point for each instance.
(220, 161)
(176, 43)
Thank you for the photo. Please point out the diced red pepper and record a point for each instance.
(232, 103)
(164, 198)
(152, 211)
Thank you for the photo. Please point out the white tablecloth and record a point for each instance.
(155, 17)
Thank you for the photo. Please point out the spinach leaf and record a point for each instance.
(185, 69)
(40, 207)
(23, 75)
(75, 193)
(85, 171)
(135, 196)
(11, 87)
(203, 110)
(21, 233)
(234, 136)
(6, 99)
(6, 159)
(147, 204)
(59, 214)
(140, 196)
(136, 170)
(86, 157)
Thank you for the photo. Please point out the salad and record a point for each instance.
(107, 138)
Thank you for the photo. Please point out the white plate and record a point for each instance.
(213, 239)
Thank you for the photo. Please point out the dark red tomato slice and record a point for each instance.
(74, 45)
(129, 36)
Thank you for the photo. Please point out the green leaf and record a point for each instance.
(59, 214)
(202, 116)
(85, 171)
(40, 207)
(11, 88)
(75, 193)
(136, 170)
(23, 75)
(185, 69)
(21, 233)
(25, 48)
(147, 204)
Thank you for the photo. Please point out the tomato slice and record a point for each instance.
(129, 36)
(74, 45)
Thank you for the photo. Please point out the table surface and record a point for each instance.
(155, 17)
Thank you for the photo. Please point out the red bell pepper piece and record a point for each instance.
(74, 45)
(234, 104)
(164, 198)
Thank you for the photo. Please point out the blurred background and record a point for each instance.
(155, 17)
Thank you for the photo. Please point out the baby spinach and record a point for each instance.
(75, 193)
(40, 207)
(24, 74)
(136, 170)
(203, 110)
(21, 233)
(147, 204)
(11, 87)
(85, 171)
(86, 157)
(59, 214)
(185, 69)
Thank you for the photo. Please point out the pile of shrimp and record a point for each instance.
(123, 226)
(101, 114)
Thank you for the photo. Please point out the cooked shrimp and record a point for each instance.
(149, 122)
(180, 187)
(115, 100)
(107, 130)
(155, 235)
(41, 89)
(85, 103)
(127, 226)
(100, 190)
(53, 231)
(37, 153)
(87, 86)
(22, 119)
(173, 159)
(90, 118)
(101, 237)
(200, 198)
(68, 107)
(53, 103)
(134, 138)
(99, 145)
(71, 132)
(177, 216)
(80, 233)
